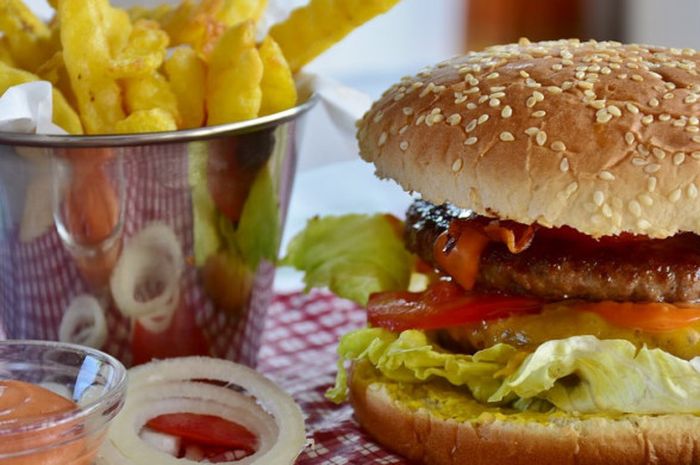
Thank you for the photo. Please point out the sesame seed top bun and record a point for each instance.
(599, 136)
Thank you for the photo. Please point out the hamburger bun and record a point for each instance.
(423, 436)
(598, 136)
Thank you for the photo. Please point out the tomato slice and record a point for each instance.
(444, 304)
(206, 430)
(652, 317)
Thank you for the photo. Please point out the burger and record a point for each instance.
(538, 304)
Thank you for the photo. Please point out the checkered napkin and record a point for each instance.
(298, 352)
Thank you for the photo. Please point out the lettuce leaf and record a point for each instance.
(579, 374)
(586, 374)
(410, 357)
(354, 255)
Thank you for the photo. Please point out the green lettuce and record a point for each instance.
(410, 357)
(579, 374)
(586, 374)
(354, 255)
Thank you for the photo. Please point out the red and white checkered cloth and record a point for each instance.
(298, 352)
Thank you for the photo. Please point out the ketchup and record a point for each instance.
(24, 404)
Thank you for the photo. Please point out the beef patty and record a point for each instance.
(557, 267)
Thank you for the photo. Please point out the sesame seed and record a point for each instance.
(531, 131)
(524, 74)
(472, 90)
(398, 96)
(382, 139)
(506, 136)
(602, 116)
(692, 190)
(635, 208)
(558, 146)
(605, 70)
(571, 188)
(566, 85)
(624, 76)
(530, 102)
(664, 117)
(473, 82)
(498, 89)
(580, 75)
(482, 119)
(541, 138)
(378, 116)
(678, 158)
(690, 98)
(598, 104)
(403, 129)
(564, 165)
(606, 176)
(679, 123)
(597, 219)
(403, 145)
(629, 138)
(651, 185)
(692, 129)
(557, 67)
(675, 196)
(695, 155)
(614, 110)
(457, 165)
(554, 89)
(470, 141)
(598, 198)
(693, 120)
(483, 98)
(532, 83)
(607, 211)
(408, 111)
(642, 149)
(539, 113)
(470, 126)
(696, 139)
(632, 108)
(454, 119)
(658, 153)
(636, 161)
(652, 168)
(668, 96)
(643, 224)
(654, 102)
(471, 106)
(492, 76)
(497, 94)
(494, 102)
(420, 120)
(539, 96)
(507, 112)
(647, 119)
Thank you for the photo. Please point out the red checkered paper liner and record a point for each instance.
(299, 353)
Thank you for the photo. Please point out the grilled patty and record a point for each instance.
(655, 270)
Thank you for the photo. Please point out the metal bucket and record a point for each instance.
(146, 245)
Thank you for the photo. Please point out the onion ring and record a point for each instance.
(153, 257)
(84, 323)
(177, 386)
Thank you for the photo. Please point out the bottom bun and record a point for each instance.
(409, 428)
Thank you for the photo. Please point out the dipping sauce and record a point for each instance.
(27, 433)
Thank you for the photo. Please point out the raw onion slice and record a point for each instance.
(146, 279)
(181, 385)
(84, 323)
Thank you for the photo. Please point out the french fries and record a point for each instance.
(86, 52)
(235, 73)
(233, 12)
(312, 29)
(28, 38)
(143, 53)
(278, 89)
(187, 75)
(63, 115)
(110, 73)
(153, 120)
